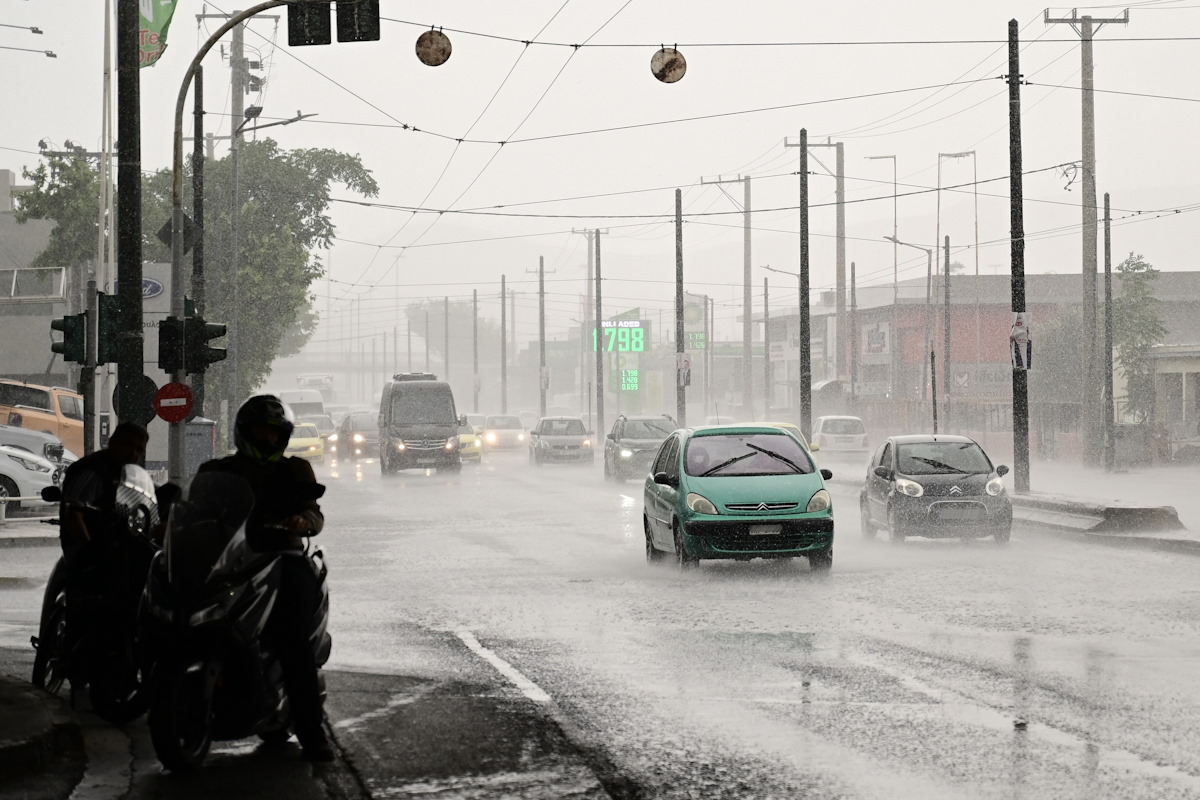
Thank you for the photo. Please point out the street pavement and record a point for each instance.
(498, 634)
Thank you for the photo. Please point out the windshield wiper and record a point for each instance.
(935, 463)
(725, 464)
(779, 456)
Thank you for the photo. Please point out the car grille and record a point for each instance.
(424, 444)
(945, 490)
(736, 537)
(777, 506)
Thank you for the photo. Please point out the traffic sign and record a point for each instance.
(173, 402)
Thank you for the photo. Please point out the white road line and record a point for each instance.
(394, 702)
(527, 687)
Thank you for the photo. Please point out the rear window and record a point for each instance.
(942, 458)
(746, 454)
(14, 395)
(501, 423)
(843, 427)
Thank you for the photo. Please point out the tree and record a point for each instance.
(1137, 326)
(65, 190)
(284, 216)
(958, 268)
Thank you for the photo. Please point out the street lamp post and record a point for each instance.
(235, 209)
(801, 322)
(928, 298)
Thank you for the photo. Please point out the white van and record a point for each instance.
(303, 402)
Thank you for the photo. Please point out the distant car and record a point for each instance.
(24, 474)
(503, 431)
(470, 443)
(306, 442)
(934, 486)
(476, 420)
(358, 437)
(742, 492)
(630, 446)
(324, 423)
(840, 437)
(560, 439)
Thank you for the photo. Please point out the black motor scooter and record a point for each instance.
(104, 653)
(207, 601)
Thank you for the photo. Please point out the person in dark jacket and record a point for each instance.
(90, 536)
(283, 514)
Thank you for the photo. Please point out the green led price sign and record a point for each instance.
(629, 380)
(620, 336)
(696, 340)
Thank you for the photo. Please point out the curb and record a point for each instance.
(59, 734)
(28, 541)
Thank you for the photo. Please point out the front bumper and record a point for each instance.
(940, 517)
(565, 453)
(636, 465)
(731, 537)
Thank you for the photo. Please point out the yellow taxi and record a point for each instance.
(470, 443)
(306, 442)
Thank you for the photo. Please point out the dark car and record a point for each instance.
(934, 486)
(631, 444)
(357, 437)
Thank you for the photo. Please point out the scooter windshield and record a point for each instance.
(136, 500)
(203, 524)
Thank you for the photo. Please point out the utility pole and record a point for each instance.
(853, 341)
(427, 336)
(198, 219)
(1086, 26)
(237, 58)
(503, 352)
(747, 297)
(946, 338)
(446, 336)
(805, 334)
(708, 345)
(766, 351)
(680, 386)
(543, 375)
(599, 357)
(475, 348)
(1109, 444)
(839, 174)
(409, 321)
(1020, 402)
(131, 395)
(512, 323)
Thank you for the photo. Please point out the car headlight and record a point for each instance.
(30, 465)
(491, 438)
(626, 454)
(359, 438)
(587, 442)
(312, 448)
(333, 437)
(995, 486)
(478, 441)
(399, 445)
(910, 488)
(701, 504)
(452, 443)
(819, 502)
(520, 437)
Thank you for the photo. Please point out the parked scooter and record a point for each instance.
(104, 653)
(207, 602)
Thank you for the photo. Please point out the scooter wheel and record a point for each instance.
(118, 699)
(180, 719)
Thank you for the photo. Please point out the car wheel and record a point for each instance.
(895, 532)
(821, 561)
(683, 559)
(868, 530)
(653, 555)
(1002, 535)
(9, 489)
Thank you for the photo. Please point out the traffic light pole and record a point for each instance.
(176, 440)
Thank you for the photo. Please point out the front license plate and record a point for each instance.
(427, 461)
(961, 514)
(765, 530)
(847, 440)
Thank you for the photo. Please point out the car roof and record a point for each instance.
(839, 416)
(918, 438)
(755, 427)
(561, 416)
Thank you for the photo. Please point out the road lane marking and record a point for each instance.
(394, 702)
(527, 687)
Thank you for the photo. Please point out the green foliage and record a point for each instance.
(65, 190)
(1137, 326)
(284, 205)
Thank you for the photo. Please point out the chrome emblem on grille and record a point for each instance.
(762, 506)
(955, 490)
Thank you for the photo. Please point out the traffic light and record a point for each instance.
(198, 354)
(358, 20)
(107, 327)
(308, 23)
(73, 346)
(170, 345)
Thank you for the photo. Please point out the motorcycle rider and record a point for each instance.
(261, 432)
(89, 535)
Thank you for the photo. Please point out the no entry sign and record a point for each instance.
(173, 402)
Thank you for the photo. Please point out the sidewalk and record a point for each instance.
(17, 532)
(1175, 486)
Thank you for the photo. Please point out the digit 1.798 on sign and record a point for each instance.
(619, 336)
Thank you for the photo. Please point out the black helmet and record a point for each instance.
(263, 409)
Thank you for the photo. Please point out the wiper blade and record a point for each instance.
(935, 463)
(725, 464)
(778, 456)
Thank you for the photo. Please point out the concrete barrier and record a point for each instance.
(1089, 516)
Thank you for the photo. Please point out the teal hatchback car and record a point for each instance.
(742, 492)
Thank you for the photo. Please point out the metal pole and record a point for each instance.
(198, 221)
(680, 388)
(805, 347)
(840, 280)
(542, 375)
(766, 351)
(446, 336)
(933, 384)
(707, 357)
(599, 357)
(928, 314)
(946, 338)
(1109, 444)
(853, 340)
(427, 336)
(129, 212)
(237, 60)
(503, 351)
(1020, 403)
(87, 375)
(409, 325)
(475, 349)
(747, 308)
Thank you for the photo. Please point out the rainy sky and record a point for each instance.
(593, 140)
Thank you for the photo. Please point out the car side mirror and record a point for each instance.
(814, 447)
(826, 474)
(52, 494)
(1001, 470)
(612, 436)
(662, 478)
(883, 472)
(462, 419)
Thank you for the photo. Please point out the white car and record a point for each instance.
(838, 436)
(23, 474)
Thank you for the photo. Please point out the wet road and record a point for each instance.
(936, 669)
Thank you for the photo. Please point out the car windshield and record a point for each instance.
(648, 428)
(503, 423)
(306, 431)
(843, 427)
(418, 406)
(942, 458)
(466, 430)
(746, 454)
(561, 427)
